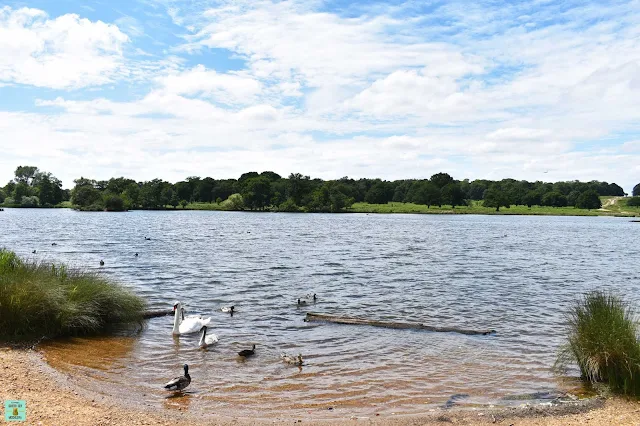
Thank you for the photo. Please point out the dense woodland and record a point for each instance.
(270, 191)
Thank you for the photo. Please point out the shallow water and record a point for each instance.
(516, 275)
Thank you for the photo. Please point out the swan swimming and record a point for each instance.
(206, 340)
(186, 325)
(181, 382)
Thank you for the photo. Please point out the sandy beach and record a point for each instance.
(54, 398)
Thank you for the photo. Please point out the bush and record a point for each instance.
(44, 300)
(603, 342)
(234, 202)
(30, 201)
(554, 199)
(114, 203)
(588, 200)
(633, 202)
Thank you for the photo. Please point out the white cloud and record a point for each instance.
(222, 88)
(65, 52)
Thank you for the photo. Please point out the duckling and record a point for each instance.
(181, 382)
(293, 360)
(247, 352)
(101, 262)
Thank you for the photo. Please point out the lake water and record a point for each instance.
(516, 275)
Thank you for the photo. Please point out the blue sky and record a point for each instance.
(396, 89)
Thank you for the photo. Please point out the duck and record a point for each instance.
(302, 302)
(54, 244)
(207, 340)
(33, 252)
(187, 325)
(229, 309)
(135, 255)
(248, 352)
(147, 238)
(101, 262)
(293, 360)
(179, 383)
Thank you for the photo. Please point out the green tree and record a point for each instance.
(257, 192)
(441, 180)
(633, 202)
(532, 198)
(298, 188)
(184, 203)
(425, 192)
(85, 196)
(21, 190)
(452, 194)
(174, 200)
(379, 193)
(25, 174)
(636, 191)
(588, 200)
(494, 197)
(3, 195)
(554, 199)
(114, 203)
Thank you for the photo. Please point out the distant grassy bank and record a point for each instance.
(44, 300)
(618, 208)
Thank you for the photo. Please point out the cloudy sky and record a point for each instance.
(537, 90)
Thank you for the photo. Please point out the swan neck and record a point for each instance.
(176, 321)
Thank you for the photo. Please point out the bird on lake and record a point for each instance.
(33, 252)
(186, 325)
(147, 238)
(101, 262)
(179, 383)
(229, 309)
(302, 302)
(54, 244)
(293, 360)
(206, 340)
(136, 255)
(247, 352)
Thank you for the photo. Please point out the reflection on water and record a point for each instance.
(516, 275)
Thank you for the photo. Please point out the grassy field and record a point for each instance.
(477, 208)
(44, 300)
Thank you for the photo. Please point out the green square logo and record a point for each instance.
(15, 411)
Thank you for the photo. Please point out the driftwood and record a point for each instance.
(392, 324)
(155, 314)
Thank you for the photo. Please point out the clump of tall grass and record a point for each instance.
(44, 300)
(603, 342)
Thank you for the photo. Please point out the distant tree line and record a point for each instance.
(297, 192)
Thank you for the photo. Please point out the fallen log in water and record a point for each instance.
(392, 324)
(155, 314)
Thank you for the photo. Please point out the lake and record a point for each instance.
(515, 274)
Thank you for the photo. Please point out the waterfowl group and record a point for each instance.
(179, 383)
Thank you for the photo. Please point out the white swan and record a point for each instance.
(206, 340)
(186, 325)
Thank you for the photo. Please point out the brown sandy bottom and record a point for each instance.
(55, 398)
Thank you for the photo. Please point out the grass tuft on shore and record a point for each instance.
(43, 300)
(603, 342)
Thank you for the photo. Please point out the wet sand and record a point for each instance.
(55, 398)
